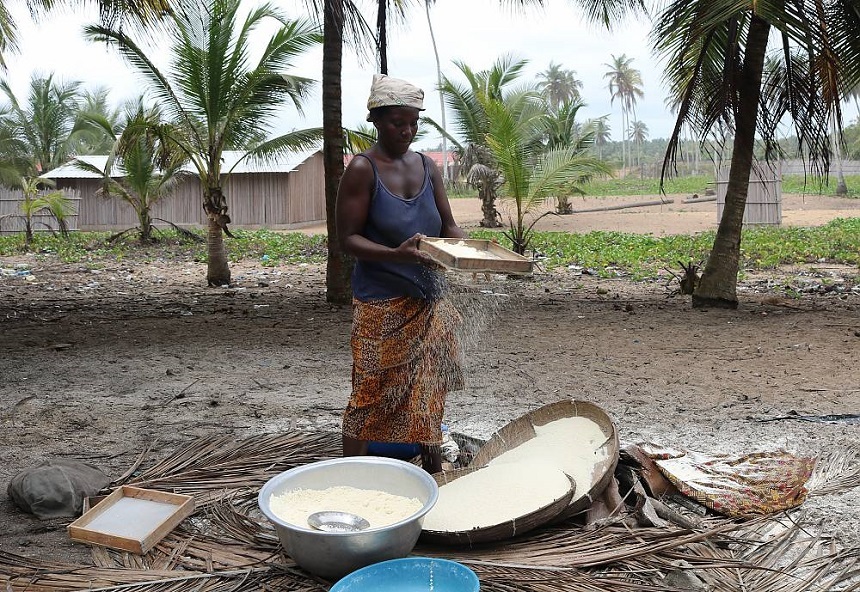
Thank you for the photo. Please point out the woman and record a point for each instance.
(403, 345)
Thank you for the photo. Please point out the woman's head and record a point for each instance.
(394, 106)
(395, 126)
(386, 91)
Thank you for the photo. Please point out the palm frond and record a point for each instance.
(561, 170)
(8, 34)
(163, 92)
(359, 140)
(356, 32)
(610, 13)
(219, 464)
(836, 471)
(307, 139)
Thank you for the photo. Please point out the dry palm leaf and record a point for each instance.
(573, 547)
(836, 471)
(772, 556)
(504, 580)
(209, 466)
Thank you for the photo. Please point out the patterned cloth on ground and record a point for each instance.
(737, 485)
(405, 360)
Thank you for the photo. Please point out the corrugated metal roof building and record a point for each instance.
(285, 193)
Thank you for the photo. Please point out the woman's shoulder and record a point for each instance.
(360, 163)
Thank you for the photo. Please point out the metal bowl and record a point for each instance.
(334, 554)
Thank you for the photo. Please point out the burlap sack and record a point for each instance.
(56, 488)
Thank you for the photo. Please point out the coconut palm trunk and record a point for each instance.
(28, 222)
(624, 125)
(718, 285)
(445, 172)
(339, 265)
(841, 186)
(144, 218)
(217, 268)
(382, 34)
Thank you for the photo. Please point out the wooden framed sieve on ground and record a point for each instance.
(132, 519)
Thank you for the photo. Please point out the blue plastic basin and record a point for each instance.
(399, 450)
(411, 574)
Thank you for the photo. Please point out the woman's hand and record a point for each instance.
(408, 252)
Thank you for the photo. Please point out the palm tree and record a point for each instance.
(625, 84)
(559, 85)
(32, 204)
(40, 130)
(342, 22)
(560, 129)
(472, 125)
(602, 133)
(638, 135)
(531, 173)
(216, 99)
(151, 168)
(360, 139)
(716, 52)
(92, 137)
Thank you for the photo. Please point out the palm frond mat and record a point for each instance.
(228, 545)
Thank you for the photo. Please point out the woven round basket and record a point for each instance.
(497, 532)
(522, 430)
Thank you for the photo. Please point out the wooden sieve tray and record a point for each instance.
(131, 519)
(495, 259)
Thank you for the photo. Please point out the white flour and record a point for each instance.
(572, 444)
(495, 494)
(377, 507)
(461, 249)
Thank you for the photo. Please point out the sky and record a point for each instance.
(476, 32)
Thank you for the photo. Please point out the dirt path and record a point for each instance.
(100, 363)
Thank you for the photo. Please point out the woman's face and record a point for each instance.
(396, 127)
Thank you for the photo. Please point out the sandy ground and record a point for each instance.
(100, 361)
(675, 217)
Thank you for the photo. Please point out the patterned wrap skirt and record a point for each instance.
(405, 360)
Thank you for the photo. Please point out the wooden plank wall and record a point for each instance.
(260, 200)
(764, 200)
(10, 208)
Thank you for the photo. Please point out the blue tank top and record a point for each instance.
(391, 219)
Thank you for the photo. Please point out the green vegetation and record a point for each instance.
(270, 247)
(689, 185)
(278, 247)
(643, 256)
(607, 253)
(647, 186)
(816, 186)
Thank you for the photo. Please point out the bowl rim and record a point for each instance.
(468, 571)
(266, 492)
